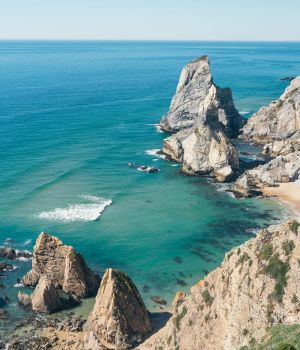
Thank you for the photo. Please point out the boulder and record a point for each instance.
(62, 265)
(13, 254)
(119, 319)
(25, 300)
(198, 99)
(279, 121)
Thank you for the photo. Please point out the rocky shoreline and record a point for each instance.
(256, 286)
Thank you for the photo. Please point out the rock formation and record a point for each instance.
(256, 286)
(119, 319)
(61, 265)
(284, 168)
(205, 150)
(198, 99)
(205, 118)
(279, 121)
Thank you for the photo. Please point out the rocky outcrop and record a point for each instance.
(256, 286)
(282, 147)
(279, 121)
(198, 99)
(14, 254)
(204, 117)
(205, 150)
(63, 266)
(284, 168)
(119, 319)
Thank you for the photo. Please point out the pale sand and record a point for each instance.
(287, 192)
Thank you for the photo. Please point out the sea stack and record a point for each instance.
(119, 319)
(60, 276)
(205, 118)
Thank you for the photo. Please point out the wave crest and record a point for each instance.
(78, 212)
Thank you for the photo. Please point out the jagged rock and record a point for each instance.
(281, 169)
(13, 254)
(24, 300)
(256, 286)
(6, 267)
(279, 121)
(205, 150)
(63, 266)
(179, 298)
(119, 318)
(198, 99)
(46, 298)
(282, 147)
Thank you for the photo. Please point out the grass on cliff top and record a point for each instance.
(280, 337)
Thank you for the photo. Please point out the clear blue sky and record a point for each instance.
(150, 19)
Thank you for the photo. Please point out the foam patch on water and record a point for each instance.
(78, 212)
(244, 112)
(19, 285)
(155, 153)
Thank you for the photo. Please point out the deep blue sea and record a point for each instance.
(73, 114)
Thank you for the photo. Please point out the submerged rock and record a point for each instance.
(14, 254)
(119, 318)
(279, 121)
(255, 287)
(61, 265)
(198, 99)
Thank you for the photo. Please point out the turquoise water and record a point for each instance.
(73, 114)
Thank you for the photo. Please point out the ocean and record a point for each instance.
(73, 114)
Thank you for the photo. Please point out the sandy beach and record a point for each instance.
(287, 192)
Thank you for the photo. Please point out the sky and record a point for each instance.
(274, 20)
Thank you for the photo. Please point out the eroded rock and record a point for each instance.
(119, 318)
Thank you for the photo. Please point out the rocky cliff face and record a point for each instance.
(119, 318)
(283, 168)
(279, 121)
(198, 99)
(204, 150)
(256, 286)
(63, 266)
(204, 117)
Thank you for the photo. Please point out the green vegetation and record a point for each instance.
(243, 258)
(279, 337)
(278, 270)
(294, 226)
(267, 252)
(288, 247)
(179, 317)
(208, 299)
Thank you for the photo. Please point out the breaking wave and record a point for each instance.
(78, 212)
(155, 153)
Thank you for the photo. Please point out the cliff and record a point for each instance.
(257, 286)
(278, 121)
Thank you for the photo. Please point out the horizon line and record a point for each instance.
(153, 40)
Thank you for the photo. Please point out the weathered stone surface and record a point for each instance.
(63, 266)
(256, 286)
(24, 300)
(119, 318)
(283, 168)
(198, 99)
(205, 150)
(279, 121)
(282, 147)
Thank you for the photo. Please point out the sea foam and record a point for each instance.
(78, 212)
(155, 153)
